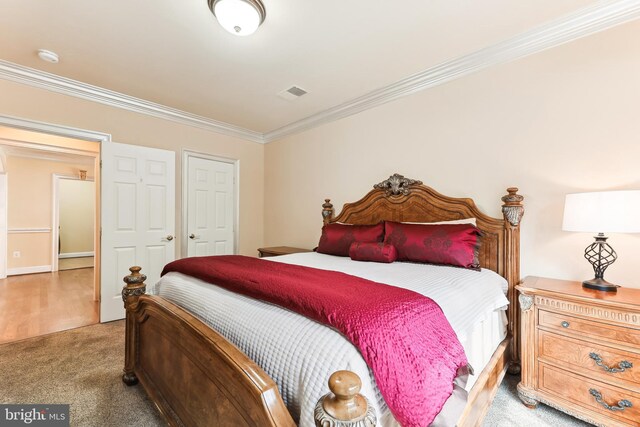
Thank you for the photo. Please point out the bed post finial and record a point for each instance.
(131, 292)
(344, 406)
(513, 208)
(327, 211)
(134, 286)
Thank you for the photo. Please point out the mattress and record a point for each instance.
(300, 354)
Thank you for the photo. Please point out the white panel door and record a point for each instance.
(138, 218)
(210, 207)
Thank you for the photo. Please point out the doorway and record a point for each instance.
(210, 205)
(36, 298)
(74, 216)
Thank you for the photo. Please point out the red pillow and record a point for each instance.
(373, 251)
(337, 238)
(448, 244)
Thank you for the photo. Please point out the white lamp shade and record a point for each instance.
(239, 17)
(602, 212)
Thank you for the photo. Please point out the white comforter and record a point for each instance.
(300, 354)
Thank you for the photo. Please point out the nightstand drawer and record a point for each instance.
(606, 363)
(623, 405)
(583, 327)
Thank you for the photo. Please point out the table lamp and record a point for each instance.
(602, 212)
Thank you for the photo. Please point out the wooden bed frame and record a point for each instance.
(196, 377)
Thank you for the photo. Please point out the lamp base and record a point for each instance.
(600, 285)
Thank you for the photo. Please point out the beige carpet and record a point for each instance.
(507, 411)
(82, 367)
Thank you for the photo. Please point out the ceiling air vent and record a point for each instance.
(294, 92)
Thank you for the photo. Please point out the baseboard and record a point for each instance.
(29, 270)
(75, 254)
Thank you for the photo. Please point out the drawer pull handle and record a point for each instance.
(565, 324)
(622, 366)
(622, 405)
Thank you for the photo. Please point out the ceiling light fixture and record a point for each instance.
(239, 17)
(47, 55)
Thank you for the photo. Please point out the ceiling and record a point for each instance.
(174, 53)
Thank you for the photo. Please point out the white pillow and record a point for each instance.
(454, 221)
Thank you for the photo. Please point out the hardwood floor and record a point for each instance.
(74, 263)
(38, 304)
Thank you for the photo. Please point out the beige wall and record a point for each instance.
(565, 120)
(30, 204)
(133, 128)
(77, 215)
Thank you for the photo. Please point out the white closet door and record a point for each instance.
(138, 218)
(210, 207)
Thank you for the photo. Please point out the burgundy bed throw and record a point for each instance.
(403, 336)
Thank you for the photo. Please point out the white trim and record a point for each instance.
(4, 208)
(37, 78)
(53, 129)
(76, 254)
(29, 230)
(581, 23)
(584, 22)
(52, 155)
(186, 154)
(55, 216)
(29, 270)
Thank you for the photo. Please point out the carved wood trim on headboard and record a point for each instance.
(407, 200)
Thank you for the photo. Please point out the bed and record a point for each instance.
(196, 376)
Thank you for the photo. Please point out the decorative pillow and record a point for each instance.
(373, 251)
(337, 238)
(448, 244)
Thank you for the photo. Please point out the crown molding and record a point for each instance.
(41, 79)
(581, 23)
(586, 21)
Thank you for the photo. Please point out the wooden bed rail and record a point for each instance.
(197, 378)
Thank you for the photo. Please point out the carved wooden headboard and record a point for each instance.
(402, 199)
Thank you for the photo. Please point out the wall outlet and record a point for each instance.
(16, 254)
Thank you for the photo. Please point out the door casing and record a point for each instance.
(186, 154)
(3, 224)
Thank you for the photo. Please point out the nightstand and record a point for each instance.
(280, 250)
(581, 350)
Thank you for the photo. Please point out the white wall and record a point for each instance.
(561, 121)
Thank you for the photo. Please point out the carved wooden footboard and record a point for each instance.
(194, 375)
(198, 378)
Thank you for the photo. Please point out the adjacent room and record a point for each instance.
(48, 282)
(280, 213)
